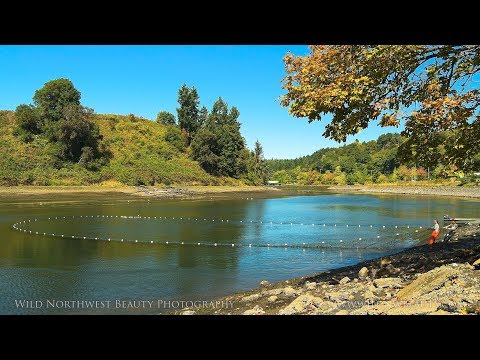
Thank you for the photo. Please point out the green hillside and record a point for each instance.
(376, 161)
(137, 151)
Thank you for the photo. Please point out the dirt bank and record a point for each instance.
(457, 191)
(153, 191)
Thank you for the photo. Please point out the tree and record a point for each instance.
(389, 140)
(173, 135)
(59, 116)
(54, 96)
(218, 144)
(188, 113)
(77, 136)
(166, 118)
(202, 116)
(259, 168)
(28, 121)
(404, 173)
(358, 84)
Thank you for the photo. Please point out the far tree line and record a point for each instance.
(375, 161)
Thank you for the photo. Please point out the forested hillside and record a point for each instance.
(376, 161)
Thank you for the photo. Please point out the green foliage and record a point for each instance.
(28, 122)
(188, 113)
(166, 118)
(173, 135)
(54, 96)
(59, 117)
(202, 116)
(77, 137)
(60, 142)
(359, 163)
(258, 172)
(131, 152)
(218, 144)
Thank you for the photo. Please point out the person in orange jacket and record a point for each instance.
(435, 232)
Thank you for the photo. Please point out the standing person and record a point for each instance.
(452, 227)
(435, 232)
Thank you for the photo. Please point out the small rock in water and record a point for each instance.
(363, 273)
(345, 280)
(264, 283)
(257, 310)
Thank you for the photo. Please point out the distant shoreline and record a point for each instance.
(197, 190)
(150, 191)
(456, 191)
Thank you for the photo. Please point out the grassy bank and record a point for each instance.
(137, 152)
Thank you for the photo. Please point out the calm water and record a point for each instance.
(42, 268)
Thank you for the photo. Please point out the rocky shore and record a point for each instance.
(440, 279)
(457, 191)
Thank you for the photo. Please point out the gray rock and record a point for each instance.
(394, 283)
(385, 261)
(264, 283)
(414, 309)
(363, 273)
(310, 285)
(290, 291)
(273, 292)
(379, 292)
(337, 296)
(188, 312)
(301, 305)
(257, 310)
(345, 280)
(272, 299)
(250, 298)
(476, 264)
(428, 282)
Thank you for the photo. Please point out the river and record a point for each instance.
(244, 238)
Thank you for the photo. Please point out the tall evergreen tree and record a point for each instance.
(202, 116)
(218, 145)
(260, 167)
(188, 113)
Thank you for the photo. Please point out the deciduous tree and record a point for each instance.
(428, 87)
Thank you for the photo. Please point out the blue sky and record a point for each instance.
(145, 79)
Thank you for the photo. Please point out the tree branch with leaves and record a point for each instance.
(428, 88)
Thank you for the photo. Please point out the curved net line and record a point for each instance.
(357, 243)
